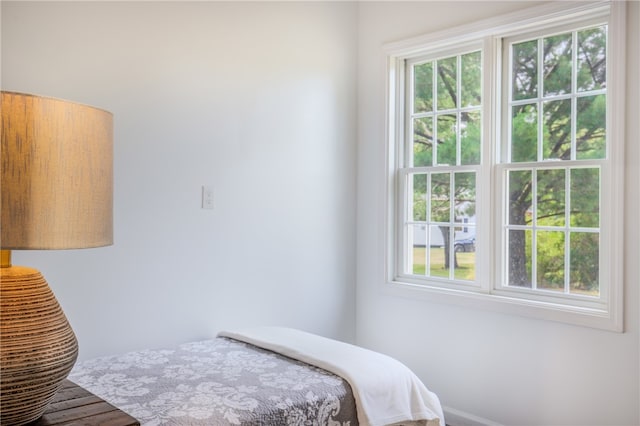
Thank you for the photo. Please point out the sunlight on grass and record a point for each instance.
(466, 269)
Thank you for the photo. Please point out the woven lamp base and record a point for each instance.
(37, 345)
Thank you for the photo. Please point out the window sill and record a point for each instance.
(602, 319)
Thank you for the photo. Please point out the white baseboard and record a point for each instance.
(455, 417)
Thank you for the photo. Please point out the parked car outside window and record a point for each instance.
(465, 245)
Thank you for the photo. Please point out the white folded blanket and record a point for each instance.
(385, 390)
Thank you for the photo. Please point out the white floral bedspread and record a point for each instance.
(218, 382)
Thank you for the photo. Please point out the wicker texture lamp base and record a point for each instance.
(37, 345)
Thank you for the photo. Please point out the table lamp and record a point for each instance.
(57, 193)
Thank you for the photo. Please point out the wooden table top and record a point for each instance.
(76, 405)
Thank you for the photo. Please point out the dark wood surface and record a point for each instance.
(74, 405)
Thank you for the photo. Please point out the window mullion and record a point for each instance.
(458, 108)
(409, 108)
(567, 230)
(539, 103)
(534, 229)
(574, 91)
(427, 244)
(434, 117)
(451, 230)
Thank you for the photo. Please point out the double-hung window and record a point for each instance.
(505, 180)
(443, 153)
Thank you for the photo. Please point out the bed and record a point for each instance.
(261, 376)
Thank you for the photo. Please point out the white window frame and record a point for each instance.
(403, 174)
(488, 292)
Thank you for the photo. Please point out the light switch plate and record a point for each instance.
(207, 197)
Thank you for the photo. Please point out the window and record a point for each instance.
(443, 155)
(505, 164)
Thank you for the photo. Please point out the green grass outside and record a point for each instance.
(466, 269)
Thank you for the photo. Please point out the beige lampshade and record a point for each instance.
(57, 174)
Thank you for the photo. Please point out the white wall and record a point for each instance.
(484, 365)
(256, 99)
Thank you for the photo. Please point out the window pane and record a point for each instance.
(419, 211)
(446, 139)
(423, 141)
(557, 64)
(447, 70)
(520, 187)
(418, 258)
(519, 258)
(591, 127)
(471, 79)
(440, 197)
(592, 59)
(465, 197)
(550, 260)
(525, 70)
(465, 257)
(585, 198)
(585, 263)
(557, 130)
(551, 198)
(470, 137)
(439, 251)
(423, 87)
(524, 133)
